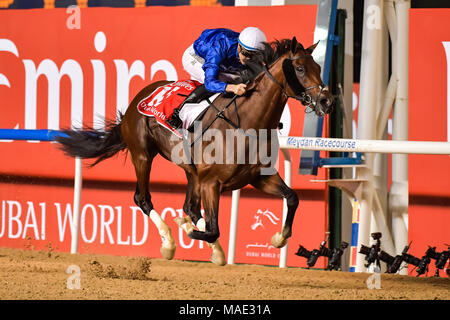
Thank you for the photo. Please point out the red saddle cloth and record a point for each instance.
(161, 102)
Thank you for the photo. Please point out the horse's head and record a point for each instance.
(302, 75)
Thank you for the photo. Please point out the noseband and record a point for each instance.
(300, 92)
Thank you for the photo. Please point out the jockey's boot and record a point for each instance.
(195, 96)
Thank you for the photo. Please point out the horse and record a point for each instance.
(285, 70)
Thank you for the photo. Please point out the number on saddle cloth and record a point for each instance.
(162, 102)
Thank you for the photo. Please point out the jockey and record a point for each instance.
(221, 47)
(216, 50)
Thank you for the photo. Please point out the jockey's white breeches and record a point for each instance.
(193, 63)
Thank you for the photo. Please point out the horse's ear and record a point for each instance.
(311, 48)
(294, 44)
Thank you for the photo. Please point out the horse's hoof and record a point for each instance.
(168, 244)
(167, 253)
(179, 221)
(218, 258)
(278, 241)
(185, 223)
(182, 220)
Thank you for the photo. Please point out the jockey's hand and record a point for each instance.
(238, 89)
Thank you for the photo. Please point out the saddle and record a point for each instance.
(227, 75)
(166, 102)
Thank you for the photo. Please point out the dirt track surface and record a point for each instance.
(33, 275)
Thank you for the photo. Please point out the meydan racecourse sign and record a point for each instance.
(377, 146)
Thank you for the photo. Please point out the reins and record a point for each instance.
(220, 115)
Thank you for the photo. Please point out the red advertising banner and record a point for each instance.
(429, 120)
(40, 216)
(429, 97)
(59, 70)
(56, 77)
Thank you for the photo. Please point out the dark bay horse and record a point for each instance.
(287, 70)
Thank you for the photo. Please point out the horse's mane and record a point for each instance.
(274, 50)
(271, 52)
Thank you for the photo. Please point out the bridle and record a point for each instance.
(300, 92)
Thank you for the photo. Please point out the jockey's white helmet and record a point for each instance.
(252, 38)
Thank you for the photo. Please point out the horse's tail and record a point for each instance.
(93, 143)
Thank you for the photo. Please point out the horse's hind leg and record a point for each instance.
(274, 185)
(142, 162)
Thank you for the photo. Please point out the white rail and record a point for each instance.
(374, 146)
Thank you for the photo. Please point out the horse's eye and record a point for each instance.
(301, 69)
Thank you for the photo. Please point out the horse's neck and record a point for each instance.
(270, 101)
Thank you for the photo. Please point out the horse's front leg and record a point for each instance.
(274, 185)
(217, 255)
(192, 203)
(192, 207)
(208, 228)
